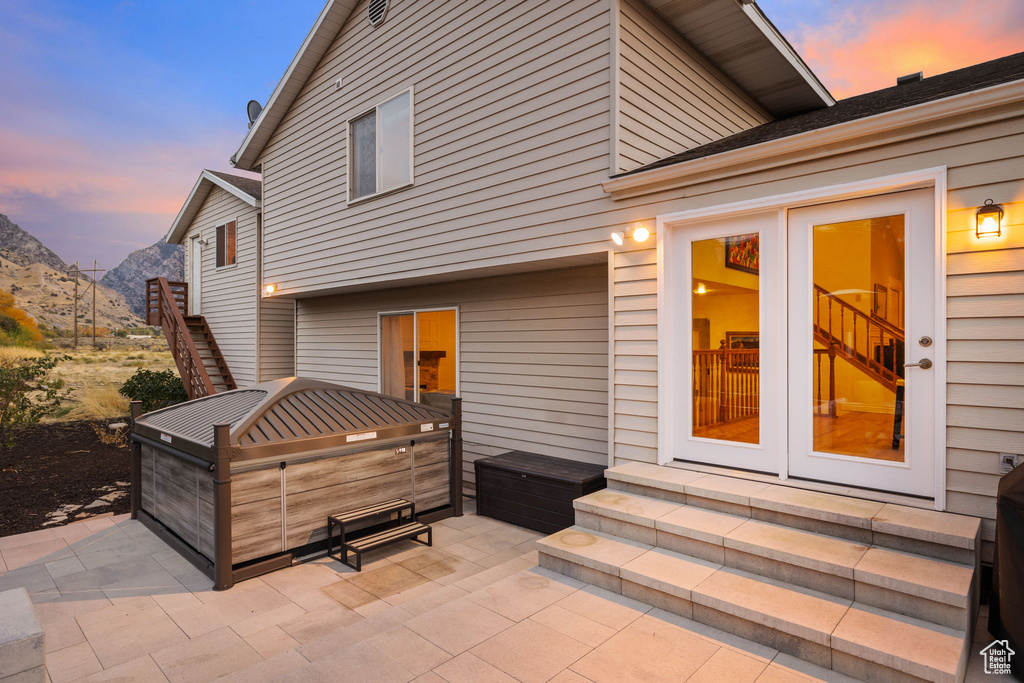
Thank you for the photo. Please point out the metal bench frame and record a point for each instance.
(345, 545)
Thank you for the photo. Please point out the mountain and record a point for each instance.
(38, 279)
(21, 248)
(158, 260)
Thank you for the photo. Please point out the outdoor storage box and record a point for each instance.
(297, 450)
(531, 490)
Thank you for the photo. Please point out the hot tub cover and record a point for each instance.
(289, 416)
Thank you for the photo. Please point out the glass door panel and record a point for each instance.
(397, 360)
(725, 308)
(436, 353)
(859, 337)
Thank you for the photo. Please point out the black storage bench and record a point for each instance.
(534, 491)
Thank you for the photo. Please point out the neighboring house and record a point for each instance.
(439, 184)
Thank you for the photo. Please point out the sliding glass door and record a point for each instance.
(419, 355)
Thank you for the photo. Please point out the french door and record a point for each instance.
(809, 337)
(862, 342)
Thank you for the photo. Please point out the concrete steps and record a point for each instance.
(798, 571)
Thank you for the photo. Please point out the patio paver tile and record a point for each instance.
(271, 641)
(158, 582)
(141, 669)
(468, 668)
(68, 565)
(269, 669)
(120, 608)
(339, 639)
(348, 594)
(576, 626)
(445, 536)
(388, 580)
(485, 578)
(413, 652)
(50, 606)
(72, 663)
(358, 663)
(177, 601)
(150, 630)
(213, 615)
(729, 665)
(62, 633)
(27, 538)
(411, 594)
(36, 553)
(465, 552)
(273, 617)
(319, 623)
(429, 677)
(530, 652)
(647, 649)
(107, 574)
(33, 579)
(459, 625)
(569, 676)
(611, 609)
(425, 603)
(207, 658)
(451, 570)
(520, 595)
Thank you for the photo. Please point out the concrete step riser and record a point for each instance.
(839, 586)
(851, 533)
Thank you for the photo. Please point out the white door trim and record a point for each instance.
(934, 177)
(195, 285)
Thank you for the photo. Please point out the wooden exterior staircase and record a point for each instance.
(200, 362)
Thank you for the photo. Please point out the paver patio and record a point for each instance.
(117, 604)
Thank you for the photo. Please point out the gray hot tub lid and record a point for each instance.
(287, 416)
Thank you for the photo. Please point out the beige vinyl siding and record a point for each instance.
(277, 339)
(985, 298)
(228, 294)
(533, 366)
(671, 98)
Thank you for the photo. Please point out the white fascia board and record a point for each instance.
(196, 197)
(291, 82)
(758, 18)
(824, 140)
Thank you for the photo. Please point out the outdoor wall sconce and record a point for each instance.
(637, 231)
(269, 289)
(989, 220)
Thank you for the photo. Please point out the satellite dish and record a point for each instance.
(253, 109)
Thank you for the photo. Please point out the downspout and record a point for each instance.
(223, 575)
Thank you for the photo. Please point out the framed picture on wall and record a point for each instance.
(747, 345)
(880, 301)
(742, 252)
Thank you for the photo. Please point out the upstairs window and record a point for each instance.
(226, 244)
(380, 144)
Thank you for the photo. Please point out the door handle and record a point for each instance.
(924, 364)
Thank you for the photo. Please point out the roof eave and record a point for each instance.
(326, 28)
(779, 152)
(206, 182)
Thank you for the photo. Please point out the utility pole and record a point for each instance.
(96, 270)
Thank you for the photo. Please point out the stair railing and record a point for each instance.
(858, 337)
(726, 385)
(165, 307)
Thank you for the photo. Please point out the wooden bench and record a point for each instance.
(402, 527)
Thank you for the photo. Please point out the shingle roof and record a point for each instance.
(977, 77)
(251, 186)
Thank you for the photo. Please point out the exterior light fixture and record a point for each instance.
(989, 220)
(637, 231)
(269, 289)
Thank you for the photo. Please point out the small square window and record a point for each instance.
(380, 144)
(226, 244)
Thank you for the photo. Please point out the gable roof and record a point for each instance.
(326, 28)
(734, 34)
(248, 190)
(959, 82)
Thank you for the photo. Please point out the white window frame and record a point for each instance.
(351, 157)
(416, 345)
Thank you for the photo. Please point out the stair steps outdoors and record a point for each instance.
(873, 590)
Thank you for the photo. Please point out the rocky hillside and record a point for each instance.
(21, 248)
(158, 260)
(48, 296)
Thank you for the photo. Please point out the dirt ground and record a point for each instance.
(55, 471)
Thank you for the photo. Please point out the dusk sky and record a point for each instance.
(111, 108)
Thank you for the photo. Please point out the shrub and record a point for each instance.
(156, 389)
(26, 394)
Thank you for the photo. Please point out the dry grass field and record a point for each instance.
(95, 375)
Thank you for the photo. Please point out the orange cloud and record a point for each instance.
(869, 44)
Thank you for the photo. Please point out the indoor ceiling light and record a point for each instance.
(989, 220)
(701, 289)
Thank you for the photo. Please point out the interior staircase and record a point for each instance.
(876, 591)
(200, 362)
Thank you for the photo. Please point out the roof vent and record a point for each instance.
(376, 11)
(910, 78)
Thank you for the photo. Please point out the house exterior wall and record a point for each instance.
(276, 356)
(985, 298)
(670, 97)
(513, 135)
(229, 294)
(533, 362)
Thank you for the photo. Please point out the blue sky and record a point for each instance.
(110, 109)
